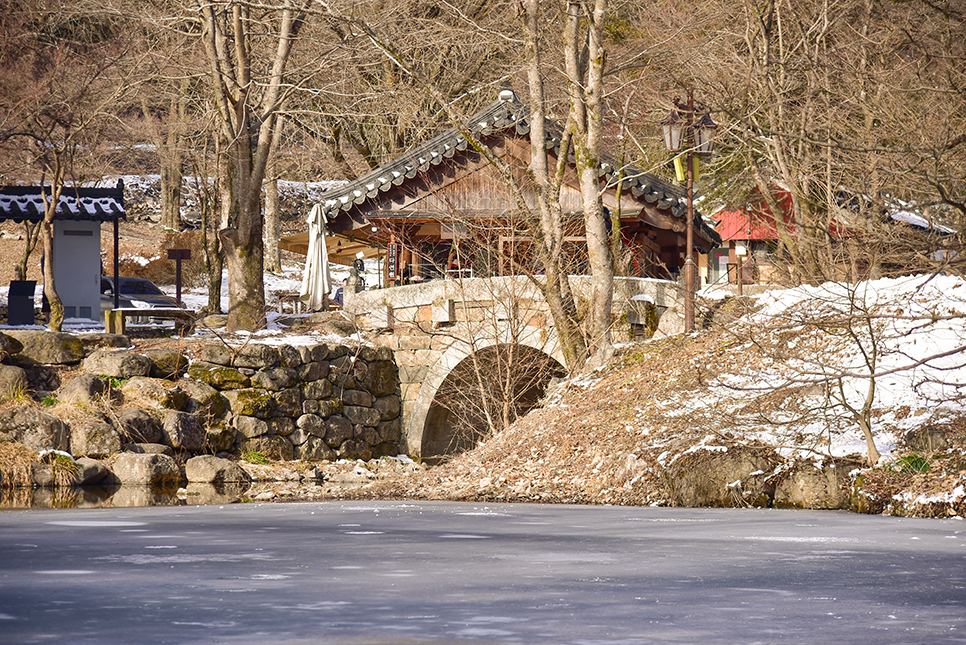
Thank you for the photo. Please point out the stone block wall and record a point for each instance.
(312, 402)
(415, 353)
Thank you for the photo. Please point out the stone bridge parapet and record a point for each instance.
(433, 327)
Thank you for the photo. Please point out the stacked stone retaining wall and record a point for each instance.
(312, 402)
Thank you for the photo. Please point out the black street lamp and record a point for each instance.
(695, 136)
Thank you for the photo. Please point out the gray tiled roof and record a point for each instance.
(510, 116)
(19, 203)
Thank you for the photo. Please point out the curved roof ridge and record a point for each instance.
(500, 115)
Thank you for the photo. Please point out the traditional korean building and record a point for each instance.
(443, 209)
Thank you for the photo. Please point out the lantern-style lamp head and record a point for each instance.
(673, 131)
(704, 135)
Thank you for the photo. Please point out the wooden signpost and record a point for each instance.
(178, 255)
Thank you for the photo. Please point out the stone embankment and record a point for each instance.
(159, 419)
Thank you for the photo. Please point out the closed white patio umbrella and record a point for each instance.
(316, 281)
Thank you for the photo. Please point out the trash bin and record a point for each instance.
(20, 302)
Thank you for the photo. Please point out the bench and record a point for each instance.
(184, 319)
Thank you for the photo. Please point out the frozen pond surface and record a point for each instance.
(394, 572)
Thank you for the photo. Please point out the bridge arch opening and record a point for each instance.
(485, 392)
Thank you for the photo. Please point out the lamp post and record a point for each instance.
(695, 136)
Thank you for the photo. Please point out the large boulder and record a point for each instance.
(288, 403)
(318, 390)
(97, 439)
(388, 407)
(203, 400)
(313, 371)
(34, 428)
(256, 356)
(208, 469)
(139, 426)
(355, 449)
(167, 363)
(311, 424)
(83, 389)
(183, 430)
(272, 446)
(729, 475)
(382, 378)
(251, 402)
(338, 429)
(362, 416)
(49, 347)
(390, 431)
(220, 438)
(927, 440)
(315, 449)
(146, 469)
(215, 354)
(357, 397)
(218, 376)
(153, 393)
(90, 471)
(13, 381)
(283, 426)
(275, 379)
(117, 363)
(815, 486)
(289, 356)
(9, 346)
(250, 427)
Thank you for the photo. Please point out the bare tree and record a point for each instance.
(840, 348)
(584, 53)
(852, 106)
(58, 95)
(273, 228)
(248, 51)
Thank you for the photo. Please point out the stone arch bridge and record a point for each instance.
(440, 330)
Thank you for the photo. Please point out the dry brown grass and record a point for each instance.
(15, 465)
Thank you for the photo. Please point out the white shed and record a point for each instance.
(77, 238)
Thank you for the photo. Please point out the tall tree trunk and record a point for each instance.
(247, 110)
(273, 224)
(211, 208)
(171, 178)
(585, 65)
(171, 151)
(241, 240)
(273, 227)
(56, 305)
(548, 232)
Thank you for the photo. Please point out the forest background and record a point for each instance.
(854, 107)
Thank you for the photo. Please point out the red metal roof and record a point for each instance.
(743, 225)
(755, 221)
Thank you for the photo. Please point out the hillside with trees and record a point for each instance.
(851, 108)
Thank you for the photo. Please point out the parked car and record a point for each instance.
(139, 293)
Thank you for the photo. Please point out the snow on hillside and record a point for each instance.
(903, 338)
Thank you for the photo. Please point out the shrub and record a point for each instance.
(255, 457)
